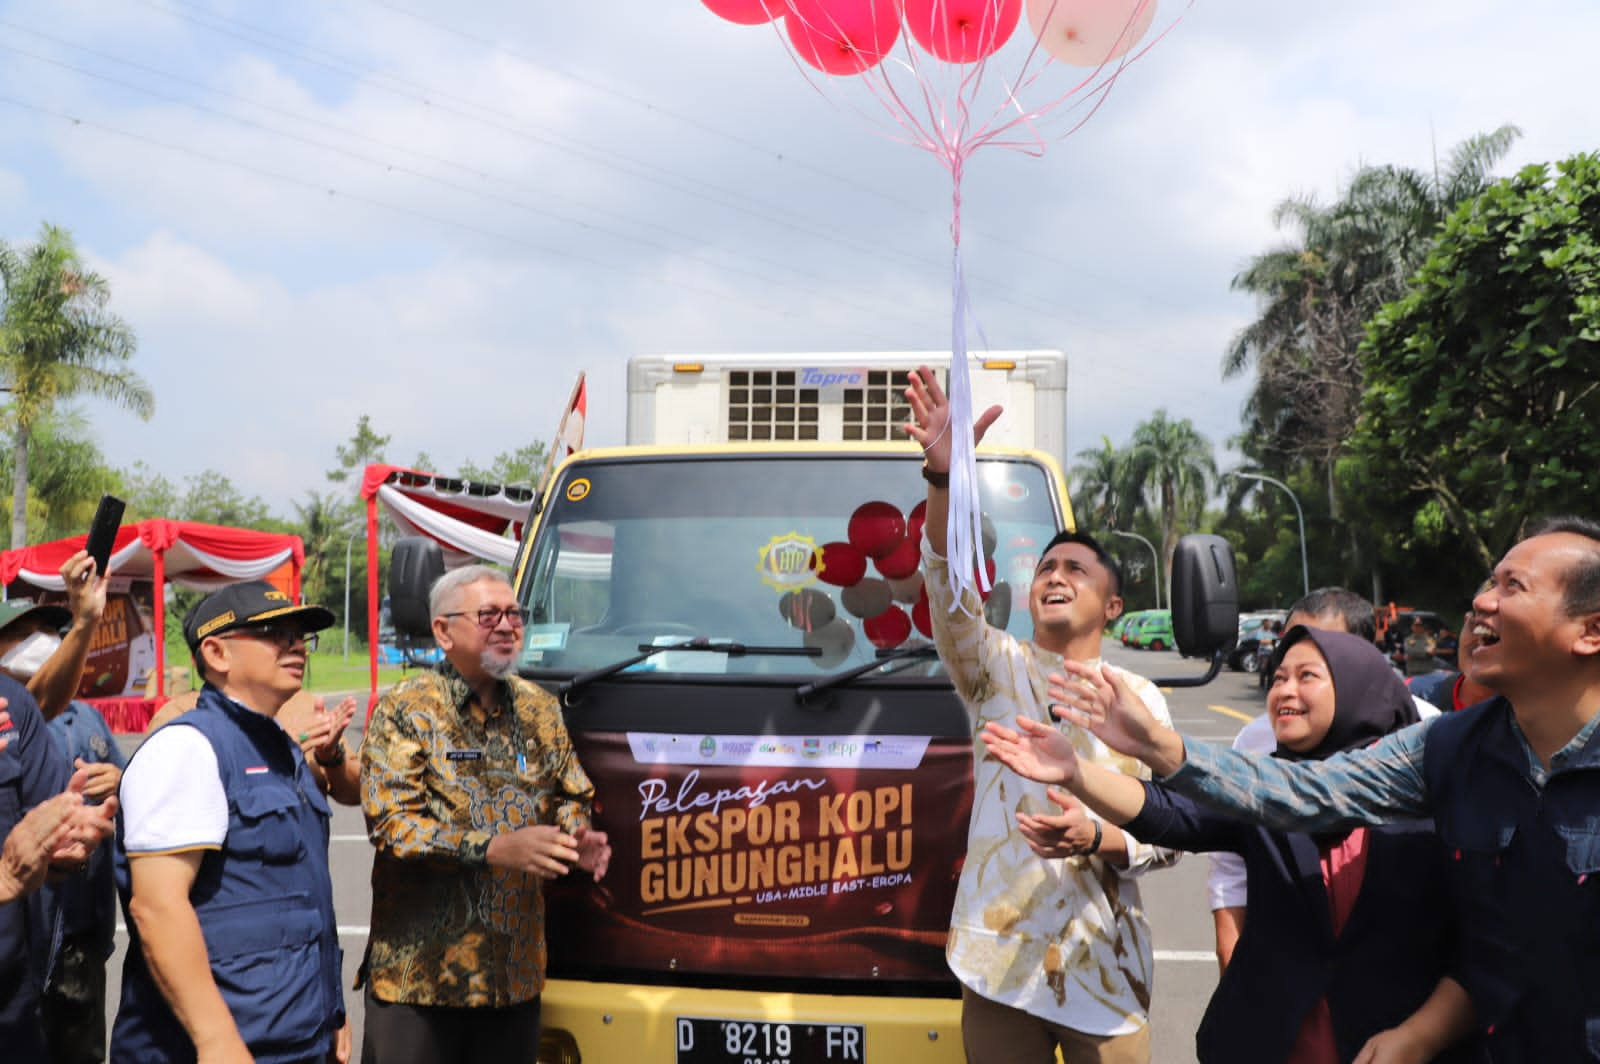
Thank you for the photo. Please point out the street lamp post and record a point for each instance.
(1305, 570)
(1153, 555)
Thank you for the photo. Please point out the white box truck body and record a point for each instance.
(835, 398)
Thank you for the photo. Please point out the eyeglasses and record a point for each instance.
(489, 619)
(282, 636)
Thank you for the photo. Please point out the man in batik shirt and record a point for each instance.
(473, 797)
(1048, 935)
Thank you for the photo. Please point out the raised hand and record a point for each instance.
(86, 589)
(1037, 751)
(322, 739)
(1100, 700)
(931, 410)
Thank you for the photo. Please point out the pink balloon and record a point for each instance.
(746, 12)
(1088, 33)
(962, 31)
(843, 36)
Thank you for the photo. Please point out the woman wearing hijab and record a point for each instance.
(1347, 948)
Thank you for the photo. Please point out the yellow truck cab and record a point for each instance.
(739, 636)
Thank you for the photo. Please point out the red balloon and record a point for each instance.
(988, 568)
(746, 12)
(916, 519)
(922, 616)
(843, 564)
(876, 528)
(962, 31)
(842, 36)
(902, 561)
(888, 629)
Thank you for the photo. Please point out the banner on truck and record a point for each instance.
(823, 856)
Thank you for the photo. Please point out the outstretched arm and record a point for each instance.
(57, 679)
(1043, 753)
(1373, 785)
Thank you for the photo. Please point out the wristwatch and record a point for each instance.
(337, 759)
(937, 477)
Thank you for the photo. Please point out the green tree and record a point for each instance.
(1172, 467)
(1102, 495)
(211, 498)
(147, 493)
(523, 467)
(365, 447)
(1484, 381)
(1316, 293)
(67, 475)
(58, 340)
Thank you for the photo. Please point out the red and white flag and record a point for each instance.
(577, 414)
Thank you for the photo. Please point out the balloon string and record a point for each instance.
(964, 531)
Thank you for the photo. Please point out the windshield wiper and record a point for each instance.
(699, 644)
(909, 655)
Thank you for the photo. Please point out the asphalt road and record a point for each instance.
(1186, 970)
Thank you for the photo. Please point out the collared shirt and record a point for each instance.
(1523, 861)
(1065, 940)
(1380, 783)
(440, 777)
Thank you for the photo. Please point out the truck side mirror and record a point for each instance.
(1205, 595)
(414, 565)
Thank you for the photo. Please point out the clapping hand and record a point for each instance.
(1070, 833)
(594, 852)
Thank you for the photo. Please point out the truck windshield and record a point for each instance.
(812, 551)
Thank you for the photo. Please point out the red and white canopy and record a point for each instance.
(186, 553)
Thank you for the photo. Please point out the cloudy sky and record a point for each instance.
(437, 215)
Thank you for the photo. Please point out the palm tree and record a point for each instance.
(58, 341)
(1102, 476)
(1171, 461)
(1317, 292)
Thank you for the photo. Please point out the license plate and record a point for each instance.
(707, 1041)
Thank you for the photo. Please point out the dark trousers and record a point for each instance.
(397, 1033)
(74, 1006)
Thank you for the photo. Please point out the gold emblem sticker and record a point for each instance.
(578, 490)
(788, 561)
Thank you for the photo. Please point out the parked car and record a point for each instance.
(1130, 625)
(1154, 631)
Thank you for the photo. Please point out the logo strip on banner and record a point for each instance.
(895, 752)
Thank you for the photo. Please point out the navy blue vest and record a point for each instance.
(1524, 874)
(265, 903)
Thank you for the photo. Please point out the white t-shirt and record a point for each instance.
(1225, 882)
(172, 798)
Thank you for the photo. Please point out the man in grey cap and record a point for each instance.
(222, 857)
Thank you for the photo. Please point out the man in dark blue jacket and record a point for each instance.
(31, 772)
(222, 858)
(1512, 785)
